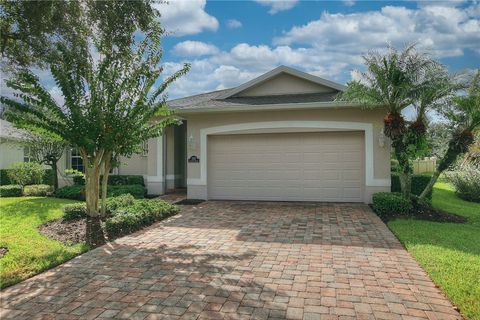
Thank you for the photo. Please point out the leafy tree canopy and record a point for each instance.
(31, 30)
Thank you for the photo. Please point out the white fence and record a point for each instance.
(424, 165)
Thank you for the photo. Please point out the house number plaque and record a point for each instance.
(193, 159)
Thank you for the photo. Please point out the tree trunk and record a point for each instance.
(429, 186)
(55, 174)
(106, 173)
(406, 168)
(94, 232)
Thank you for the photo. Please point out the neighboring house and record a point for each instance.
(279, 137)
(11, 149)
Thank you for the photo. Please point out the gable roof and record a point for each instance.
(229, 99)
(275, 72)
(8, 131)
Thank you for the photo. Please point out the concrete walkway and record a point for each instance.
(240, 260)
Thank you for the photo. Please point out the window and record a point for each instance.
(27, 154)
(144, 148)
(76, 161)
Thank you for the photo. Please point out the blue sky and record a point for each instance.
(230, 42)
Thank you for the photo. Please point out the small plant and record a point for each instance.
(74, 211)
(11, 190)
(26, 173)
(466, 182)
(390, 204)
(39, 190)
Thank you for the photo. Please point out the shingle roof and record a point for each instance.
(8, 131)
(209, 100)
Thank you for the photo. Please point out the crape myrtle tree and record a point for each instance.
(46, 150)
(463, 115)
(112, 104)
(30, 31)
(395, 80)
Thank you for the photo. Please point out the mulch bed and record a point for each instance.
(432, 214)
(66, 231)
(3, 251)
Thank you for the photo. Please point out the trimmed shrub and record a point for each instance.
(141, 213)
(419, 182)
(390, 204)
(48, 177)
(78, 179)
(4, 177)
(136, 190)
(74, 192)
(77, 192)
(11, 190)
(40, 190)
(26, 173)
(466, 183)
(114, 180)
(125, 180)
(74, 211)
(122, 201)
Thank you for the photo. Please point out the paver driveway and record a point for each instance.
(241, 260)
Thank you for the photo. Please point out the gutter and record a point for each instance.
(269, 107)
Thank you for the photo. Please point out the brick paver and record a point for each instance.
(240, 260)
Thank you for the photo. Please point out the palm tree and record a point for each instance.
(464, 116)
(394, 81)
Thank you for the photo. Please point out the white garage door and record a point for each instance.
(319, 166)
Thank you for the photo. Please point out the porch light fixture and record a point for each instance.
(381, 139)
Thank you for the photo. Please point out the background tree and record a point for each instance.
(394, 81)
(112, 104)
(31, 30)
(463, 116)
(46, 150)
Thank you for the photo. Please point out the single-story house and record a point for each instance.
(279, 137)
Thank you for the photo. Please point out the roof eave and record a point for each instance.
(269, 107)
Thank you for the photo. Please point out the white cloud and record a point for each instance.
(185, 17)
(445, 30)
(234, 24)
(349, 3)
(194, 48)
(331, 47)
(277, 5)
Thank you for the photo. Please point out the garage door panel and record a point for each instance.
(321, 166)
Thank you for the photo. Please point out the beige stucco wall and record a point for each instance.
(196, 122)
(284, 84)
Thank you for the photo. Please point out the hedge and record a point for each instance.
(11, 190)
(419, 182)
(125, 214)
(115, 180)
(5, 179)
(77, 192)
(141, 213)
(79, 210)
(390, 204)
(39, 190)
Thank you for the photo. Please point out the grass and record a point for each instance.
(30, 252)
(449, 252)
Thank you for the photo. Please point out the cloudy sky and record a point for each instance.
(230, 42)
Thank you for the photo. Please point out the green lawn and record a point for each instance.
(449, 252)
(29, 251)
